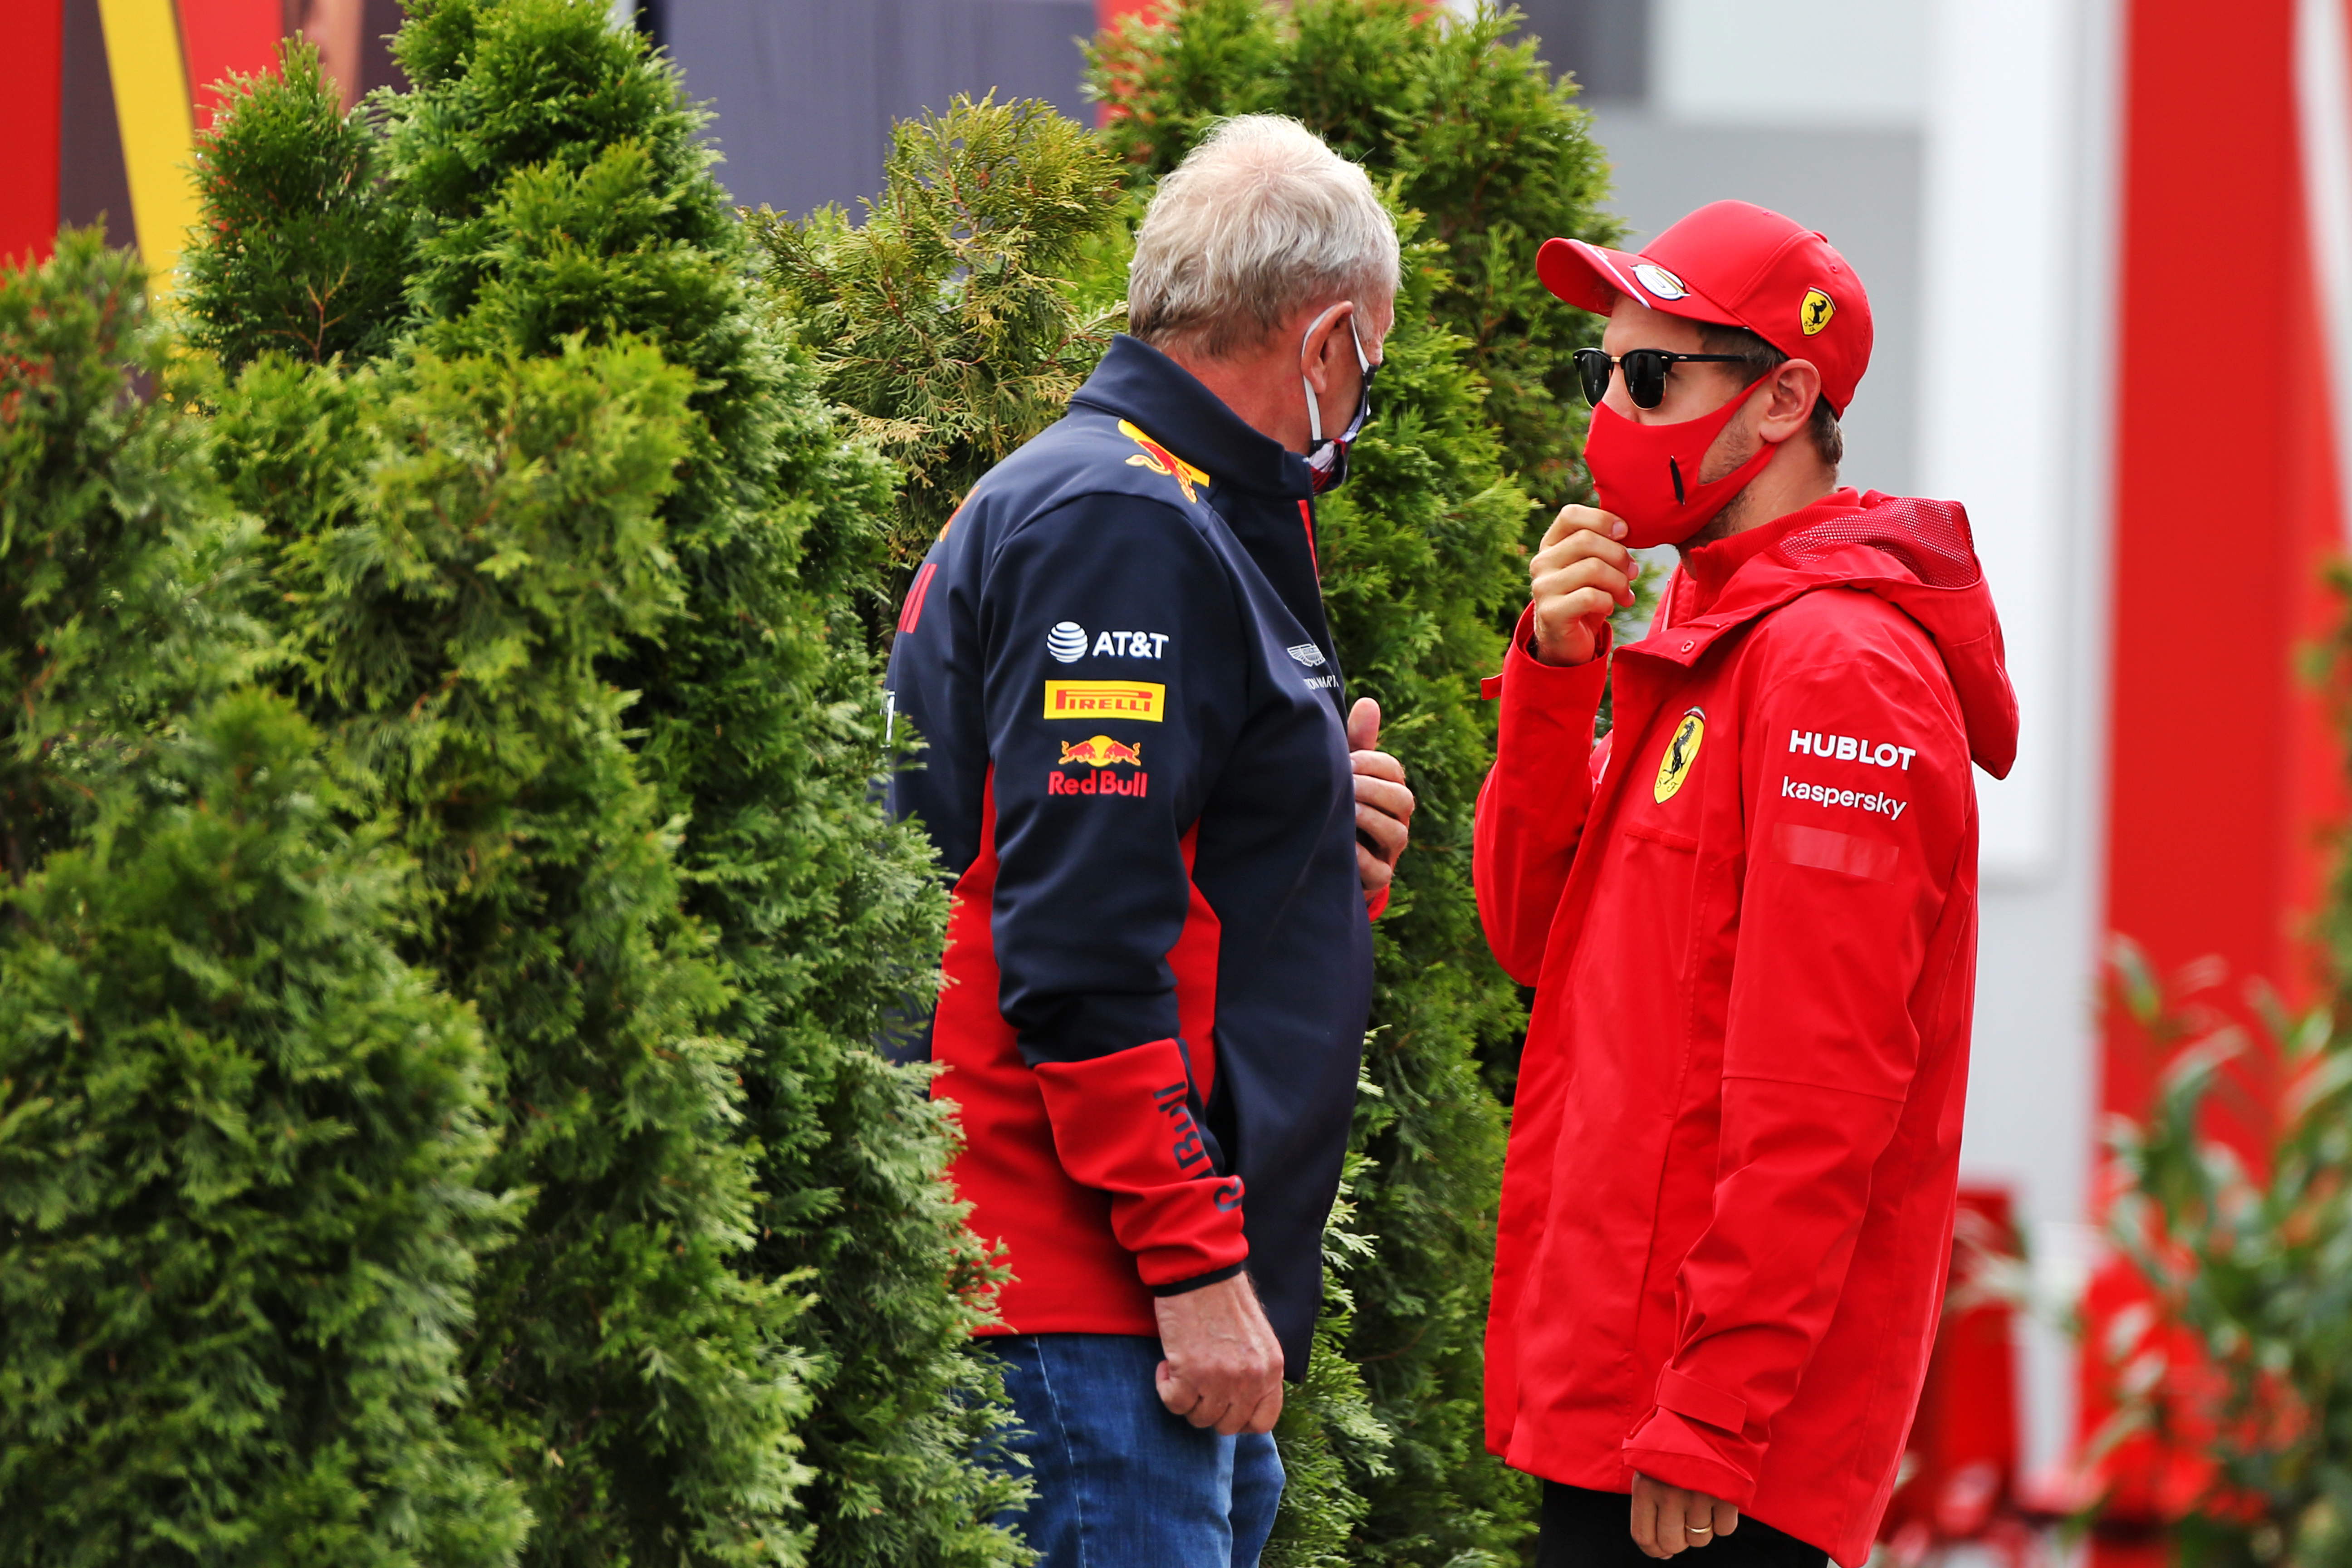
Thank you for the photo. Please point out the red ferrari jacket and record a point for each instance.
(1749, 915)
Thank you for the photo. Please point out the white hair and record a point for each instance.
(1259, 220)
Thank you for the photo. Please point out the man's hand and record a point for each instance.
(1668, 1519)
(1384, 804)
(1223, 1367)
(1581, 576)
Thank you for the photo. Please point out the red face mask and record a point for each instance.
(1648, 474)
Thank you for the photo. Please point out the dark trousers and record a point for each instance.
(1595, 1529)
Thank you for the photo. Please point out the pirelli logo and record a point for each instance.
(1092, 700)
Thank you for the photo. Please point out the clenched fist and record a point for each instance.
(1581, 576)
(1224, 1365)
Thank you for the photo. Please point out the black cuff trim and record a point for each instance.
(1185, 1287)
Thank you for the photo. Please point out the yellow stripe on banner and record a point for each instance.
(159, 128)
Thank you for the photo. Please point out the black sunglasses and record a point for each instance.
(1645, 372)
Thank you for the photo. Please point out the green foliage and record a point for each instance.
(2245, 1363)
(758, 925)
(239, 1138)
(1329, 1435)
(1471, 130)
(458, 542)
(952, 318)
(307, 259)
(1418, 561)
(759, 723)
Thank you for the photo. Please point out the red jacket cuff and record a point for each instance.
(1123, 1125)
(1527, 681)
(1682, 1453)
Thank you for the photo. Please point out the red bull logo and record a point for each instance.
(1103, 784)
(1161, 460)
(1098, 752)
(1101, 752)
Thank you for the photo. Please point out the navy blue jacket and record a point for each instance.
(1136, 769)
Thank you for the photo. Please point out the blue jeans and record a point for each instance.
(1120, 1482)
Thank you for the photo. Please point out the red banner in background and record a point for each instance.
(225, 37)
(2226, 778)
(143, 155)
(31, 74)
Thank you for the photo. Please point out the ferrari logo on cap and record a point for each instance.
(1817, 310)
(1658, 280)
(1681, 753)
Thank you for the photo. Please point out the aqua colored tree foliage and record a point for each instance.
(305, 258)
(240, 1139)
(562, 219)
(557, 173)
(453, 543)
(1419, 565)
(956, 319)
(457, 543)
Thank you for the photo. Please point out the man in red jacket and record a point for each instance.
(1749, 916)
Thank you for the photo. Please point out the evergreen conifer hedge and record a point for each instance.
(240, 1140)
(797, 1383)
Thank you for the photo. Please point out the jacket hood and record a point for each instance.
(1919, 556)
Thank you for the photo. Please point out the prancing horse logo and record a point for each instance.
(1817, 311)
(1681, 753)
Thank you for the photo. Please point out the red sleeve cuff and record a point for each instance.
(1123, 1125)
(1527, 684)
(1686, 1395)
(1673, 1449)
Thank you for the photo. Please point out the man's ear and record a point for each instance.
(1332, 323)
(1796, 385)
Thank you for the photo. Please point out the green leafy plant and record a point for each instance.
(2233, 1373)
(559, 176)
(1420, 563)
(239, 1138)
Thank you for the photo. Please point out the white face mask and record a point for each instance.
(1329, 459)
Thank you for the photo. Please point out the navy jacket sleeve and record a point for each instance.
(1114, 682)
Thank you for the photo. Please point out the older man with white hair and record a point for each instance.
(1167, 834)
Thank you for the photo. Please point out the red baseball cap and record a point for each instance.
(1738, 263)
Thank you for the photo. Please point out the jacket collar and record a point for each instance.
(1919, 555)
(1137, 381)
